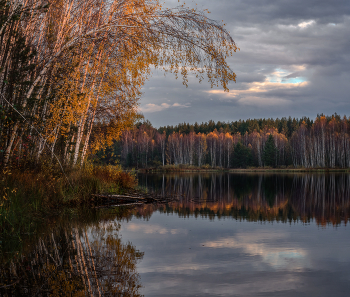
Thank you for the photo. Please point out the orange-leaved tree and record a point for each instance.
(82, 65)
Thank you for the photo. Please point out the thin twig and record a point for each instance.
(10, 284)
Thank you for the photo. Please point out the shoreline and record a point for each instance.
(243, 170)
(30, 197)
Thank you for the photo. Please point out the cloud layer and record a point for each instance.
(294, 60)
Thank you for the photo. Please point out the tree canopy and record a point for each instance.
(74, 68)
(325, 143)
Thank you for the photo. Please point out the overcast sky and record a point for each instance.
(294, 60)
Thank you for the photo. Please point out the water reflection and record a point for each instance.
(222, 237)
(188, 256)
(77, 259)
(325, 198)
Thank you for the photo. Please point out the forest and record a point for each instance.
(71, 73)
(68, 68)
(280, 143)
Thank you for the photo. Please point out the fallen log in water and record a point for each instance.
(131, 198)
(117, 196)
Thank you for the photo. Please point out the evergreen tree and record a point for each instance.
(242, 156)
(270, 152)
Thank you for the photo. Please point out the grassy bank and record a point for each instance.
(207, 168)
(28, 196)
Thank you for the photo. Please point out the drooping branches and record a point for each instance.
(74, 66)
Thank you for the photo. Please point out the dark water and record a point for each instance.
(226, 235)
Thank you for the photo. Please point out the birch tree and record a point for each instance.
(84, 60)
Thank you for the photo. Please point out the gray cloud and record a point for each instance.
(293, 75)
(283, 43)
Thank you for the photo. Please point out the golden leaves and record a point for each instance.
(94, 57)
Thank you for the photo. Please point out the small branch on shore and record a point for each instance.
(118, 205)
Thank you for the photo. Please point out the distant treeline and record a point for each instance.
(324, 142)
(284, 125)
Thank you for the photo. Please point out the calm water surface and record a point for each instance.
(226, 235)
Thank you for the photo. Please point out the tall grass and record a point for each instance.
(26, 196)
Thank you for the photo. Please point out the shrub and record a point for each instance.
(26, 194)
(206, 166)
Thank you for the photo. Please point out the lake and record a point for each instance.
(224, 235)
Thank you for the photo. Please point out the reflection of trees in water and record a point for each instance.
(324, 197)
(74, 262)
(256, 197)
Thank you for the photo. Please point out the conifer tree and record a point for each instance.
(270, 152)
(242, 156)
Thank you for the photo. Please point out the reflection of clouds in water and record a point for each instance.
(238, 258)
(256, 285)
(267, 246)
(182, 268)
(293, 259)
(153, 229)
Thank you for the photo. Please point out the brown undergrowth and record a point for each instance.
(31, 194)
